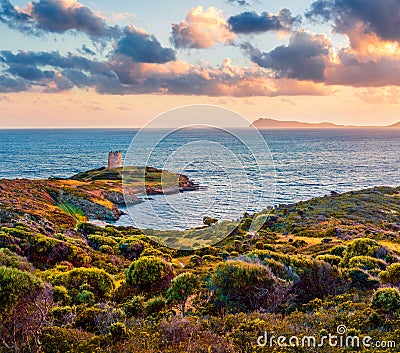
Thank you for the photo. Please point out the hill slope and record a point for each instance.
(267, 123)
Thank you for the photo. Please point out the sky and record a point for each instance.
(69, 63)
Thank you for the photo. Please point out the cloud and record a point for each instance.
(56, 16)
(119, 16)
(10, 84)
(376, 16)
(122, 75)
(143, 47)
(250, 22)
(30, 72)
(349, 70)
(14, 18)
(384, 95)
(238, 2)
(305, 58)
(62, 15)
(53, 59)
(201, 29)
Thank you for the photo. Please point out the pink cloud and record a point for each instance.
(201, 29)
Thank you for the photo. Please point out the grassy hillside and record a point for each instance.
(95, 194)
(69, 286)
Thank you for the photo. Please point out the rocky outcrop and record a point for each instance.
(127, 198)
(92, 210)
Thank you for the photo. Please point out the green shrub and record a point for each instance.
(316, 279)
(154, 305)
(181, 288)
(195, 261)
(391, 275)
(47, 251)
(237, 284)
(259, 245)
(16, 285)
(85, 297)
(299, 243)
(361, 280)
(96, 241)
(209, 258)
(156, 253)
(107, 249)
(86, 319)
(150, 273)
(10, 259)
(63, 315)
(99, 282)
(131, 248)
(87, 228)
(134, 307)
(60, 295)
(118, 331)
(62, 340)
(386, 299)
(360, 247)
(208, 221)
(366, 263)
(338, 250)
(330, 259)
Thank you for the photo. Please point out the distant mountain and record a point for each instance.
(396, 125)
(266, 123)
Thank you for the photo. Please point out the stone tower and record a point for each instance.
(114, 159)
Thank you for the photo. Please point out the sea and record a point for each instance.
(236, 171)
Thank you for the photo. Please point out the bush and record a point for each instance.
(107, 249)
(360, 247)
(259, 245)
(195, 261)
(85, 297)
(118, 331)
(134, 307)
(96, 241)
(10, 259)
(16, 285)
(299, 243)
(131, 248)
(366, 263)
(150, 273)
(62, 340)
(330, 259)
(338, 250)
(25, 301)
(60, 295)
(361, 280)
(386, 299)
(317, 279)
(237, 284)
(63, 315)
(86, 319)
(87, 228)
(47, 251)
(181, 288)
(99, 282)
(154, 305)
(156, 253)
(208, 221)
(391, 275)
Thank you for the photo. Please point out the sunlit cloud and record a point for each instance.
(201, 29)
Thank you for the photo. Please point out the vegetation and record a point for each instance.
(70, 286)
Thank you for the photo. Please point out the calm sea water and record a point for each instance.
(302, 164)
